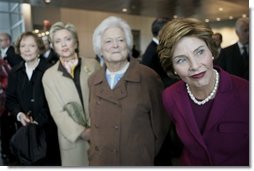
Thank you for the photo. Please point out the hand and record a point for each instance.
(85, 135)
(24, 119)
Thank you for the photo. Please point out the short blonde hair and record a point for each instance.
(175, 30)
(62, 26)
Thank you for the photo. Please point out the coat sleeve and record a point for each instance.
(159, 119)
(11, 95)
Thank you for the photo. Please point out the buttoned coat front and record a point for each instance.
(59, 91)
(128, 122)
(225, 140)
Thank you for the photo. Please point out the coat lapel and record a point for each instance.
(69, 90)
(223, 97)
(119, 91)
(187, 113)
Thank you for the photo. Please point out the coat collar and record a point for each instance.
(42, 66)
(103, 90)
(131, 74)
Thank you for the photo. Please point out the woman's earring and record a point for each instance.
(175, 73)
(213, 58)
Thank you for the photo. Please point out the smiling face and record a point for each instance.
(64, 43)
(193, 62)
(29, 50)
(114, 46)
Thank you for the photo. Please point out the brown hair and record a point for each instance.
(38, 41)
(175, 30)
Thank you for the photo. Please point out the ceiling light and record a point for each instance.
(231, 17)
(47, 1)
(220, 9)
(207, 20)
(36, 31)
(244, 15)
(124, 9)
(175, 16)
(218, 19)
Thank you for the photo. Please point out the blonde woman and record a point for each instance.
(64, 83)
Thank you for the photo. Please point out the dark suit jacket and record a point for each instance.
(152, 60)
(225, 140)
(231, 60)
(12, 58)
(52, 58)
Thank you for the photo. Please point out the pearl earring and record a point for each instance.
(175, 73)
(212, 58)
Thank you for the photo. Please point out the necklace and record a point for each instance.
(210, 95)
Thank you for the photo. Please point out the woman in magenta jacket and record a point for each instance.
(209, 107)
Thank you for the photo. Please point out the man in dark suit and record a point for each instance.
(150, 57)
(235, 58)
(8, 51)
(152, 60)
(8, 59)
(50, 55)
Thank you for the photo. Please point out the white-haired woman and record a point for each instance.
(127, 117)
(66, 83)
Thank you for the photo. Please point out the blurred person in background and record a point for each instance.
(150, 58)
(49, 54)
(8, 59)
(235, 58)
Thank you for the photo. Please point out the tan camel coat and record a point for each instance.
(60, 90)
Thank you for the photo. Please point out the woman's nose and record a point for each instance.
(63, 43)
(115, 43)
(193, 65)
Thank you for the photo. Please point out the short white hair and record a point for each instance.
(107, 23)
(240, 22)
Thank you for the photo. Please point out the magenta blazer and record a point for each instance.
(225, 141)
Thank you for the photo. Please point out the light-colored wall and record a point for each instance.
(86, 21)
(227, 29)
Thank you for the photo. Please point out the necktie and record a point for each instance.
(245, 53)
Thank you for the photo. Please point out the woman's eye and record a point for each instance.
(108, 41)
(180, 60)
(200, 52)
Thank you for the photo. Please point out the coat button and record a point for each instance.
(116, 127)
